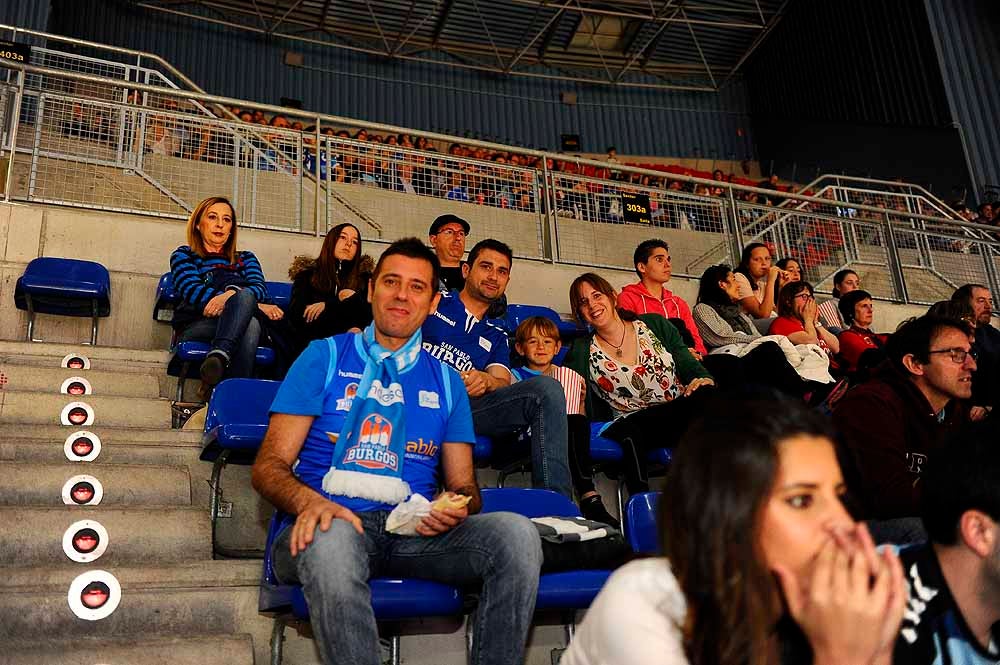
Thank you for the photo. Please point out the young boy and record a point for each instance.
(537, 341)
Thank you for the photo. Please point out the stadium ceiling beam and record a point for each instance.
(701, 54)
(489, 36)
(400, 43)
(644, 16)
(285, 15)
(442, 21)
(768, 28)
(597, 47)
(545, 34)
(653, 38)
(324, 14)
(378, 27)
(677, 68)
(259, 14)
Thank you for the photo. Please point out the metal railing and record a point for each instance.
(888, 194)
(152, 149)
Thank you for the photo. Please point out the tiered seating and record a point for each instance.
(66, 287)
(642, 523)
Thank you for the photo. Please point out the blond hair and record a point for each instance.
(194, 238)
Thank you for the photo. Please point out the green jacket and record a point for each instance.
(688, 369)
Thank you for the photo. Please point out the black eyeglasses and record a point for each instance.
(957, 355)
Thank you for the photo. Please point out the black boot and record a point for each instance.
(593, 509)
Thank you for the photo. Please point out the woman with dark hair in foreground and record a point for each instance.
(763, 564)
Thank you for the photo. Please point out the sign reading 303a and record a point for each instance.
(635, 208)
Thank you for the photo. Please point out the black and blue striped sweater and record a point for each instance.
(198, 279)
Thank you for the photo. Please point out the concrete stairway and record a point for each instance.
(177, 604)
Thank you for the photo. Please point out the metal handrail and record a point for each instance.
(921, 191)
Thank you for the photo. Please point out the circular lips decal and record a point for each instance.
(94, 595)
(76, 361)
(85, 541)
(82, 446)
(76, 385)
(82, 491)
(78, 414)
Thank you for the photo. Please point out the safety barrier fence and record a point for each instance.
(129, 145)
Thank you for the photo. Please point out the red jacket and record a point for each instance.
(637, 298)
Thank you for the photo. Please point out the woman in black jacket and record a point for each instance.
(329, 293)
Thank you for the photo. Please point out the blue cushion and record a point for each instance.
(574, 589)
(237, 418)
(64, 286)
(528, 502)
(642, 521)
(603, 449)
(516, 314)
(280, 294)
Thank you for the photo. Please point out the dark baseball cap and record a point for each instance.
(448, 219)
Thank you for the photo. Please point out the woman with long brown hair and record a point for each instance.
(763, 563)
(330, 292)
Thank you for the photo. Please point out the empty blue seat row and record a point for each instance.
(65, 287)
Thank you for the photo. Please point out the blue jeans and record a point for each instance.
(499, 551)
(235, 332)
(538, 403)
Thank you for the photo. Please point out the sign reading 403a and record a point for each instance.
(14, 51)
(635, 208)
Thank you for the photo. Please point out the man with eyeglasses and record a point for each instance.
(447, 236)
(892, 424)
(986, 386)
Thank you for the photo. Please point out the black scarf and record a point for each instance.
(731, 314)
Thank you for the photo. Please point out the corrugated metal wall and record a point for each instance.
(511, 110)
(967, 38)
(32, 14)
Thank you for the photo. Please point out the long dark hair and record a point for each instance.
(709, 291)
(719, 483)
(332, 274)
(744, 267)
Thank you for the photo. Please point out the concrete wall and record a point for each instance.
(136, 250)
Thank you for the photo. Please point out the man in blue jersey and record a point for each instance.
(954, 580)
(457, 334)
(360, 422)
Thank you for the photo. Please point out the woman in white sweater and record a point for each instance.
(763, 563)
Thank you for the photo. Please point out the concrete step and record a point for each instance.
(189, 600)
(114, 449)
(36, 484)
(213, 650)
(45, 409)
(46, 379)
(101, 357)
(148, 535)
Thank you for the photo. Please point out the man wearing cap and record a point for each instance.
(447, 237)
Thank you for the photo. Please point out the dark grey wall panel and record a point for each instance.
(511, 110)
(967, 38)
(32, 14)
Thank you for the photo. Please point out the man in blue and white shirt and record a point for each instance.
(954, 579)
(458, 335)
(333, 544)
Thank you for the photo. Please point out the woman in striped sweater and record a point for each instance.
(221, 292)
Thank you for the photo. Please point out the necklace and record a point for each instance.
(616, 347)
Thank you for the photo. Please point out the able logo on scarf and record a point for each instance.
(372, 449)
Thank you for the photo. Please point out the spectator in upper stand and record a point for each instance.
(986, 213)
(447, 236)
(858, 312)
(537, 341)
(639, 373)
(758, 281)
(986, 383)
(612, 155)
(222, 290)
(763, 565)
(893, 424)
(456, 190)
(457, 335)
(955, 577)
(334, 537)
(792, 267)
(650, 295)
(723, 323)
(844, 282)
(798, 320)
(330, 292)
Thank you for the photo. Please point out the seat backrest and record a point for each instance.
(240, 402)
(280, 293)
(642, 522)
(272, 533)
(528, 502)
(166, 299)
(72, 270)
(517, 314)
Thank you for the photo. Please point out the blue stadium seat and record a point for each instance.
(188, 354)
(642, 516)
(235, 424)
(65, 287)
(570, 590)
(392, 599)
(516, 314)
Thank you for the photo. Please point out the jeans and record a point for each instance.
(498, 554)
(540, 404)
(235, 332)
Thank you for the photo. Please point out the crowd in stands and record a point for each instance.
(772, 508)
